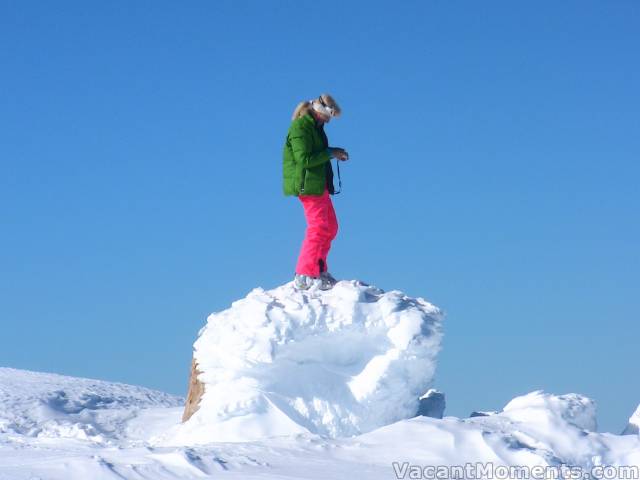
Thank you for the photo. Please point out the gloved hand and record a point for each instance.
(339, 153)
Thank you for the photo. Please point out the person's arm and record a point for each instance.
(301, 148)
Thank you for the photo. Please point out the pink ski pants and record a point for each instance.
(322, 227)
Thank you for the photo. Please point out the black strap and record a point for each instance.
(339, 179)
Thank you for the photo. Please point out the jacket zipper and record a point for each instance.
(304, 179)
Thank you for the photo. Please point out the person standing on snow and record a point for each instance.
(307, 173)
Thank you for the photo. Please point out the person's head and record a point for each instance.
(322, 108)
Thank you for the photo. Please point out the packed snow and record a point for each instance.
(314, 385)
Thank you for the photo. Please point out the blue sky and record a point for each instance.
(494, 171)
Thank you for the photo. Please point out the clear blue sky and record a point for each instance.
(494, 170)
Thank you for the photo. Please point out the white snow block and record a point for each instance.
(336, 363)
(633, 428)
(432, 404)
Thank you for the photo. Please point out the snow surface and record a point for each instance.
(107, 431)
(54, 427)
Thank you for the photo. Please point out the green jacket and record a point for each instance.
(306, 163)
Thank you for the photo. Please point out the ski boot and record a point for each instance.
(304, 282)
(327, 281)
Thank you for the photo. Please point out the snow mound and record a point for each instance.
(47, 405)
(335, 363)
(536, 407)
(534, 429)
(555, 426)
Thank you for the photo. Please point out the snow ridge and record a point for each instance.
(48, 405)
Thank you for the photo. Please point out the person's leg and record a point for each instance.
(316, 213)
(332, 231)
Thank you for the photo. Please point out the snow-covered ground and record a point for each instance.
(317, 385)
